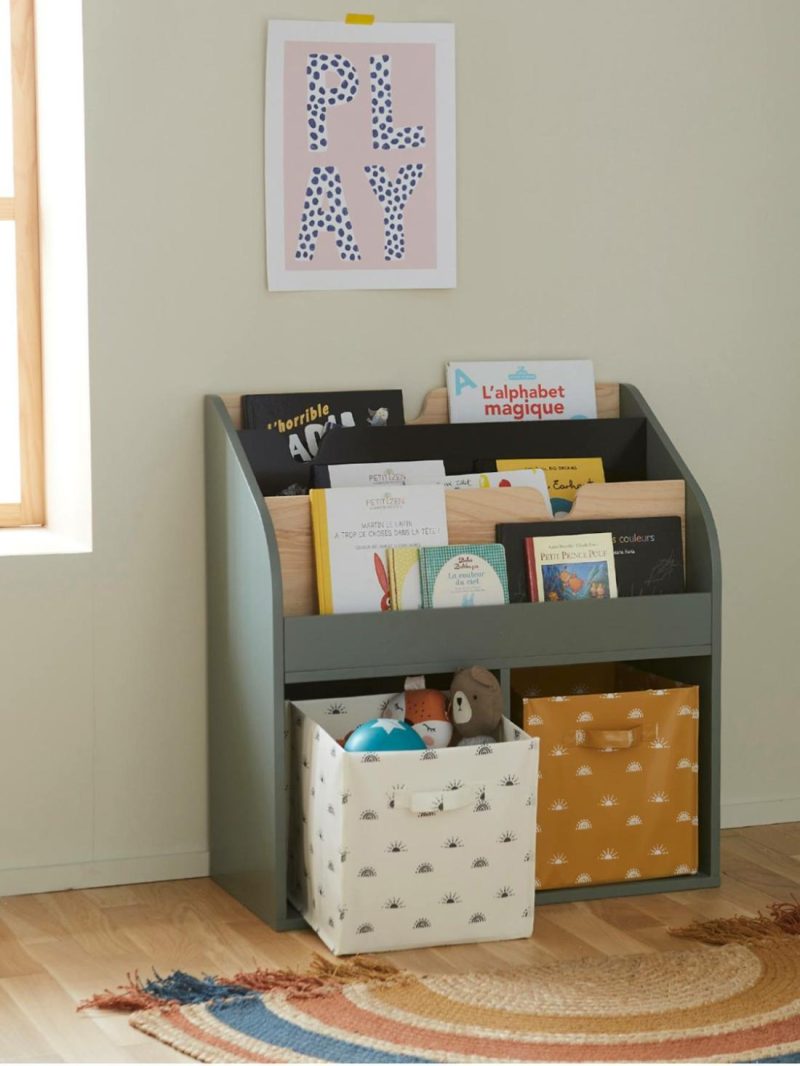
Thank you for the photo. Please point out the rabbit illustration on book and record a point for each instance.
(383, 581)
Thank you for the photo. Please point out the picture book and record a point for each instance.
(276, 472)
(576, 566)
(648, 553)
(352, 528)
(564, 476)
(521, 390)
(463, 575)
(355, 475)
(302, 418)
(495, 479)
(405, 587)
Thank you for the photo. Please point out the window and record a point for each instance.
(21, 436)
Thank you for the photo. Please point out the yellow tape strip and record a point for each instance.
(352, 18)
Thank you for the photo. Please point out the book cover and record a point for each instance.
(352, 529)
(464, 575)
(356, 475)
(648, 552)
(302, 418)
(405, 585)
(577, 566)
(564, 476)
(529, 391)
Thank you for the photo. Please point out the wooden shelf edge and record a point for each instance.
(434, 409)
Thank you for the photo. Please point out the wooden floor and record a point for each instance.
(57, 948)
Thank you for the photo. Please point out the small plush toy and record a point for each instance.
(425, 709)
(476, 705)
(384, 734)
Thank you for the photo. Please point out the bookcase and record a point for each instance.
(265, 645)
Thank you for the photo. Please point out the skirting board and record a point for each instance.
(25, 880)
(760, 812)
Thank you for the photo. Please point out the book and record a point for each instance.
(354, 475)
(495, 479)
(463, 575)
(300, 419)
(648, 553)
(529, 391)
(352, 528)
(564, 476)
(405, 586)
(276, 472)
(577, 566)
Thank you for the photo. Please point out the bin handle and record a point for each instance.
(433, 802)
(611, 739)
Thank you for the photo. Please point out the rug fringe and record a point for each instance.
(180, 989)
(128, 997)
(322, 977)
(780, 920)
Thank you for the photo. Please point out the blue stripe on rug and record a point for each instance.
(252, 1018)
(793, 1056)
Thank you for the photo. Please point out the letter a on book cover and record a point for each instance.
(521, 391)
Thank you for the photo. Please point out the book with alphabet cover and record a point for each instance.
(281, 432)
(521, 391)
(648, 552)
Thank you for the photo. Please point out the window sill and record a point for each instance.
(39, 542)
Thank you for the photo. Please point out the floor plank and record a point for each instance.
(58, 948)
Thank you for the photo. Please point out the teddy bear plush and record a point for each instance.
(476, 706)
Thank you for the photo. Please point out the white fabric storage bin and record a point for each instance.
(408, 849)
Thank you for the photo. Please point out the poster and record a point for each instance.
(360, 156)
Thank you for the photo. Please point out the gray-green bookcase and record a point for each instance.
(257, 659)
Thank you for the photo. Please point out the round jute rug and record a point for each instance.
(740, 1002)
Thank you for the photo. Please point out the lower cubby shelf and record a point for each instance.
(626, 888)
(328, 647)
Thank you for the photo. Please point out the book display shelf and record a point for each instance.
(266, 644)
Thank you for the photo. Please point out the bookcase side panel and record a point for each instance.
(703, 574)
(247, 773)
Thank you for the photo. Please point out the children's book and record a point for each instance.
(463, 575)
(521, 391)
(495, 479)
(573, 567)
(405, 584)
(355, 475)
(648, 553)
(303, 417)
(352, 529)
(564, 476)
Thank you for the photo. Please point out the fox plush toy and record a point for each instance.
(425, 710)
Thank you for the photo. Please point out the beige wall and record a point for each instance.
(628, 178)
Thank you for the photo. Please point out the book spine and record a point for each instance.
(530, 566)
(424, 563)
(319, 525)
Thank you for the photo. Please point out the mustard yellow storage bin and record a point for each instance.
(617, 773)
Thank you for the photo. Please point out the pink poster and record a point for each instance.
(360, 156)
